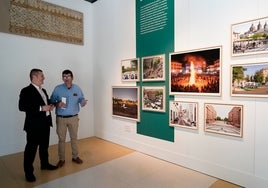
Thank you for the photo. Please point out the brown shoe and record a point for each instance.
(60, 163)
(77, 160)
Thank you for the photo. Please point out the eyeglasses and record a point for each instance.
(66, 76)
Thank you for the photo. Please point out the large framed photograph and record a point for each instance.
(125, 102)
(130, 70)
(153, 68)
(249, 80)
(183, 114)
(153, 98)
(196, 72)
(226, 119)
(250, 37)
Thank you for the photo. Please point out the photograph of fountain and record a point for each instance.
(196, 72)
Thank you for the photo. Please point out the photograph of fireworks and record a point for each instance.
(196, 72)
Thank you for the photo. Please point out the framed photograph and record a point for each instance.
(250, 37)
(226, 119)
(183, 114)
(249, 80)
(125, 102)
(130, 70)
(153, 98)
(196, 72)
(153, 68)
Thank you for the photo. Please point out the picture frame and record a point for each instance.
(183, 114)
(196, 72)
(249, 37)
(225, 119)
(126, 102)
(249, 80)
(130, 70)
(153, 68)
(153, 98)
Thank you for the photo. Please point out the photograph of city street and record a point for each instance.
(130, 69)
(153, 68)
(250, 80)
(250, 37)
(196, 72)
(224, 119)
(126, 102)
(153, 98)
(183, 114)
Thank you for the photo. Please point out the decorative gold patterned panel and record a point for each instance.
(39, 19)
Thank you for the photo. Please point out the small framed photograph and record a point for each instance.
(196, 72)
(226, 119)
(183, 114)
(249, 80)
(153, 68)
(130, 70)
(125, 102)
(153, 98)
(250, 37)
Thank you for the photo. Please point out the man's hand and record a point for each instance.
(83, 103)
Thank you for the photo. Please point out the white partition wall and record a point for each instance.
(20, 54)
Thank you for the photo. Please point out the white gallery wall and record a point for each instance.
(18, 55)
(198, 24)
(109, 37)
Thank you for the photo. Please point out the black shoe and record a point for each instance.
(49, 167)
(30, 177)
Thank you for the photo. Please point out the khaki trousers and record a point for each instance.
(71, 124)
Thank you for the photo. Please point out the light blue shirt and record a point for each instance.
(74, 96)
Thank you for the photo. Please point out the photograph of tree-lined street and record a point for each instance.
(250, 80)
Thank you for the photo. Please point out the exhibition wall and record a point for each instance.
(20, 54)
(198, 25)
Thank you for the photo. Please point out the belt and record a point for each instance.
(69, 116)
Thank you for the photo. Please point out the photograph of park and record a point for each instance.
(196, 72)
(250, 80)
(125, 102)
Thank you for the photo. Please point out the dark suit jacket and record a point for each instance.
(30, 101)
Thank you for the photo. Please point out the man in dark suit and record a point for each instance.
(33, 100)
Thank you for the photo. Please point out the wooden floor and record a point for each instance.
(93, 151)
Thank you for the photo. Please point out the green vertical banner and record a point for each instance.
(155, 36)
